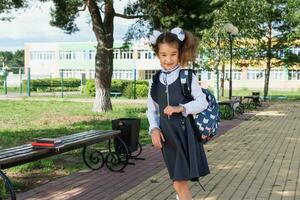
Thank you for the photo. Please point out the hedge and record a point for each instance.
(123, 86)
(53, 84)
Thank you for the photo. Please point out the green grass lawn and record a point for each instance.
(22, 121)
(273, 94)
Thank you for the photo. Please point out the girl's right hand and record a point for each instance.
(157, 138)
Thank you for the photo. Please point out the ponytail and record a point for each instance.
(189, 49)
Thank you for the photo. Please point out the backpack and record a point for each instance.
(207, 121)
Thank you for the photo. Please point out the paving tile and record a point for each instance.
(257, 159)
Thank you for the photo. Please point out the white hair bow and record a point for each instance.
(154, 36)
(177, 31)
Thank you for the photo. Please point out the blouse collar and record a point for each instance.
(170, 71)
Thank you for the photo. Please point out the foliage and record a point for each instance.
(123, 86)
(140, 89)
(7, 6)
(90, 88)
(53, 84)
(64, 13)
(275, 20)
(195, 15)
(267, 31)
(119, 85)
(12, 60)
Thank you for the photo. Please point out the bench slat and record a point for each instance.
(26, 153)
(17, 148)
(16, 153)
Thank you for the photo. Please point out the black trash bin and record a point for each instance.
(130, 128)
(256, 98)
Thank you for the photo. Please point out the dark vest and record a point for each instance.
(159, 95)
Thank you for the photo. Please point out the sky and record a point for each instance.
(32, 25)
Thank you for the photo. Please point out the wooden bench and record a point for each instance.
(115, 93)
(231, 107)
(115, 157)
(252, 100)
(238, 105)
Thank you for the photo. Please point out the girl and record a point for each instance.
(170, 128)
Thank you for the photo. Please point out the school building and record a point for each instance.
(140, 62)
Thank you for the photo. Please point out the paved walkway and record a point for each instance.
(257, 159)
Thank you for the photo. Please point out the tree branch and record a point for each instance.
(98, 26)
(127, 16)
(82, 9)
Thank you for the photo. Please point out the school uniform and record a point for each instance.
(183, 154)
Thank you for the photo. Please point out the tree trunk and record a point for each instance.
(103, 30)
(103, 74)
(269, 57)
(222, 79)
(216, 71)
(267, 78)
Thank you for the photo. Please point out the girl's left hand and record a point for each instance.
(169, 110)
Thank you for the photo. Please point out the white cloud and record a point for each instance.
(33, 25)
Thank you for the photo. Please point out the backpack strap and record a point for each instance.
(155, 80)
(186, 76)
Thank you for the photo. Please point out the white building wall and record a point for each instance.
(40, 61)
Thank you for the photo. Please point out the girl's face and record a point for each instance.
(168, 55)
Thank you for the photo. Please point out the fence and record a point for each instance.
(39, 85)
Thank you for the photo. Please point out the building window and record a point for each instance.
(68, 55)
(255, 74)
(149, 74)
(123, 74)
(72, 73)
(85, 55)
(294, 75)
(276, 74)
(209, 75)
(123, 55)
(236, 75)
(295, 50)
(42, 55)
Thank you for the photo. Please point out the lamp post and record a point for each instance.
(231, 31)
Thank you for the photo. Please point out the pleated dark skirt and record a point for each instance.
(183, 154)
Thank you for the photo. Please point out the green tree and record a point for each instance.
(5, 58)
(273, 24)
(193, 15)
(12, 60)
(6, 6)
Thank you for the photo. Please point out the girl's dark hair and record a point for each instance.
(188, 48)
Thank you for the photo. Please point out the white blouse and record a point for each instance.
(193, 107)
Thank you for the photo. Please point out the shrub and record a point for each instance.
(128, 91)
(90, 87)
(123, 86)
(141, 90)
(53, 84)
